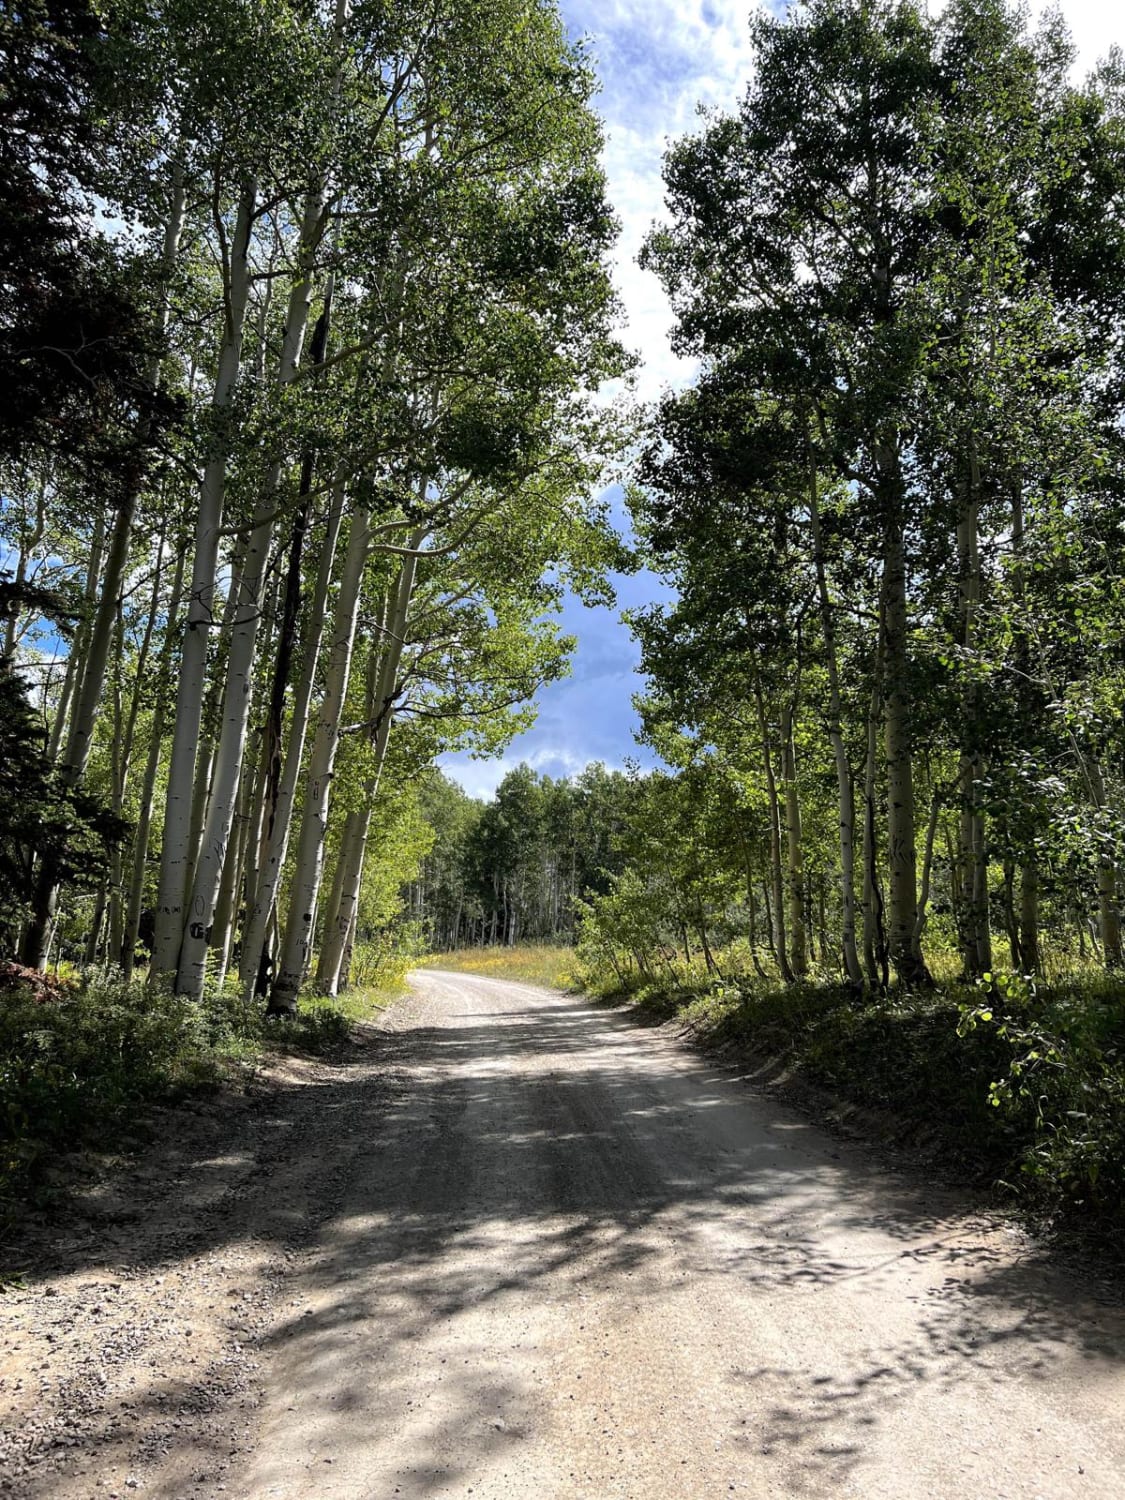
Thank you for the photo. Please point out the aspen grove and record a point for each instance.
(305, 304)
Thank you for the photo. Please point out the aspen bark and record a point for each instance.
(781, 951)
(135, 901)
(335, 939)
(874, 936)
(76, 657)
(244, 635)
(1109, 911)
(176, 853)
(844, 782)
(975, 933)
(794, 869)
(1029, 918)
(305, 893)
(279, 819)
(902, 859)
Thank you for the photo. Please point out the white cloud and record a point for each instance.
(480, 778)
(658, 60)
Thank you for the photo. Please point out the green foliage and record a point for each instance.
(382, 960)
(79, 1058)
(1064, 1073)
(519, 867)
(39, 816)
(76, 1064)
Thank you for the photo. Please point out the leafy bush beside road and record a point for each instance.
(79, 1057)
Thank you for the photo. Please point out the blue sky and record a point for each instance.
(658, 61)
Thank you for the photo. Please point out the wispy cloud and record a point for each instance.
(480, 778)
(658, 61)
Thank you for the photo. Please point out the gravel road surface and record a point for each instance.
(523, 1247)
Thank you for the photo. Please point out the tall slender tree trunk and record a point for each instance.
(975, 933)
(76, 657)
(226, 902)
(776, 871)
(845, 785)
(795, 864)
(1028, 916)
(176, 853)
(132, 922)
(1011, 925)
(1109, 911)
(88, 680)
(240, 661)
(928, 860)
(305, 891)
(335, 938)
(1030, 961)
(902, 859)
(874, 934)
(279, 817)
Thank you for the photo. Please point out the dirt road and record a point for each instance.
(522, 1247)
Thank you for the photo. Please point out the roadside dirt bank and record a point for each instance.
(516, 1246)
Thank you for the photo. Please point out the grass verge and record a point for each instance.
(554, 968)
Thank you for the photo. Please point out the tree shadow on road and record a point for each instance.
(544, 1153)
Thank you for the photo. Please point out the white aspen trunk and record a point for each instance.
(176, 853)
(1029, 917)
(240, 662)
(121, 779)
(204, 765)
(307, 875)
(902, 859)
(152, 765)
(1109, 911)
(38, 931)
(332, 911)
(795, 869)
(119, 770)
(844, 782)
(76, 657)
(334, 942)
(226, 910)
(976, 935)
(777, 878)
(874, 936)
(277, 838)
(339, 936)
(255, 826)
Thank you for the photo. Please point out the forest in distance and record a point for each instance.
(309, 338)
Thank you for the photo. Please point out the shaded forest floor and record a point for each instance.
(84, 1058)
